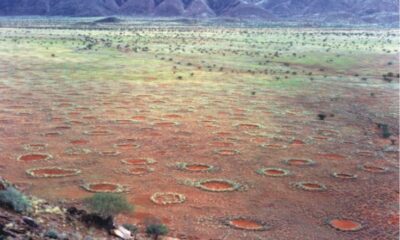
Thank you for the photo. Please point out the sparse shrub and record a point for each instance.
(385, 131)
(321, 116)
(52, 233)
(14, 199)
(108, 204)
(157, 230)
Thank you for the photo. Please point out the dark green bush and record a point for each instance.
(14, 199)
(385, 131)
(52, 233)
(108, 204)
(157, 230)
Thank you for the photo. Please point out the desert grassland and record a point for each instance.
(195, 91)
(233, 49)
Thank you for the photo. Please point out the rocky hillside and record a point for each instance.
(378, 11)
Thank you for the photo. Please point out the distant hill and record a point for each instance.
(353, 11)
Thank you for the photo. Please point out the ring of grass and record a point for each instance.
(110, 153)
(129, 171)
(230, 152)
(234, 186)
(251, 125)
(35, 146)
(147, 161)
(77, 151)
(344, 175)
(123, 121)
(178, 198)
(31, 172)
(165, 124)
(263, 171)
(97, 133)
(310, 186)
(185, 167)
(126, 145)
(328, 133)
(274, 146)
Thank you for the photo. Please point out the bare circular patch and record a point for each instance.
(138, 171)
(97, 133)
(138, 118)
(165, 124)
(248, 126)
(222, 144)
(123, 121)
(227, 152)
(345, 225)
(299, 162)
(126, 146)
(328, 133)
(374, 169)
(104, 187)
(247, 224)
(34, 157)
(61, 128)
(51, 134)
(172, 116)
(297, 142)
(223, 134)
(79, 142)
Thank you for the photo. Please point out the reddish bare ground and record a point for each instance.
(208, 132)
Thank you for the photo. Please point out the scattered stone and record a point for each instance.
(122, 233)
(30, 222)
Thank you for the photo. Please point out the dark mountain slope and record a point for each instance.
(381, 11)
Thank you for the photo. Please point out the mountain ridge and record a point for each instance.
(369, 11)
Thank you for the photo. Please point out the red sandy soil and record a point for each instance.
(208, 132)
